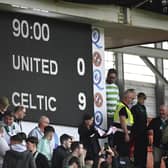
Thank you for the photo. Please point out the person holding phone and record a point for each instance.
(107, 155)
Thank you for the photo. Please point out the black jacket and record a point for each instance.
(140, 120)
(16, 159)
(59, 154)
(41, 161)
(155, 125)
(89, 139)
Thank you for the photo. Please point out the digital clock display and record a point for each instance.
(46, 65)
(22, 28)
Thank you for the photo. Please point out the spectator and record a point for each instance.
(19, 112)
(112, 92)
(18, 156)
(3, 146)
(24, 137)
(62, 151)
(89, 138)
(40, 159)
(139, 131)
(44, 145)
(107, 155)
(112, 97)
(39, 130)
(157, 125)
(10, 127)
(78, 151)
(74, 163)
(123, 120)
(4, 103)
(104, 164)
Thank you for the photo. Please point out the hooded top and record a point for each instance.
(18, 158)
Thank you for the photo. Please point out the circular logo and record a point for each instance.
(97, 78)
(98, 118)
(96, 37)
(98, 99)
(97, 59)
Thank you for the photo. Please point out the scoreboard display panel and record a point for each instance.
(46, 65)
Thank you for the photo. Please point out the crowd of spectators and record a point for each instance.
(41, 147)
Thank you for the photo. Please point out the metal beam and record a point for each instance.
(142, 18)
(159, 86)
(98, 13)
(154, 70)
(120, 70)
(141, 27)
(94, 13)
(144, 51)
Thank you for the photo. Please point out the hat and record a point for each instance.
(4, 101)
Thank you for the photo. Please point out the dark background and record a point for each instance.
(68, 41)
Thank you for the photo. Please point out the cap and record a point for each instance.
(4, 101)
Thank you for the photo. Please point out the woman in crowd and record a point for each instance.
(89, 138)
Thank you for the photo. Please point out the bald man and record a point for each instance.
(38, 131)
(158, 125)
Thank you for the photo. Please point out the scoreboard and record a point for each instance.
(46, 65)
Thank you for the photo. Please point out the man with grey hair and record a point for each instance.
(157, 126)
(38, 131)
(123, 120)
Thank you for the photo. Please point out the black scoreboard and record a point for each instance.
(46, 65)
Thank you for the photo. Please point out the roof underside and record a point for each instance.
(121, 36)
